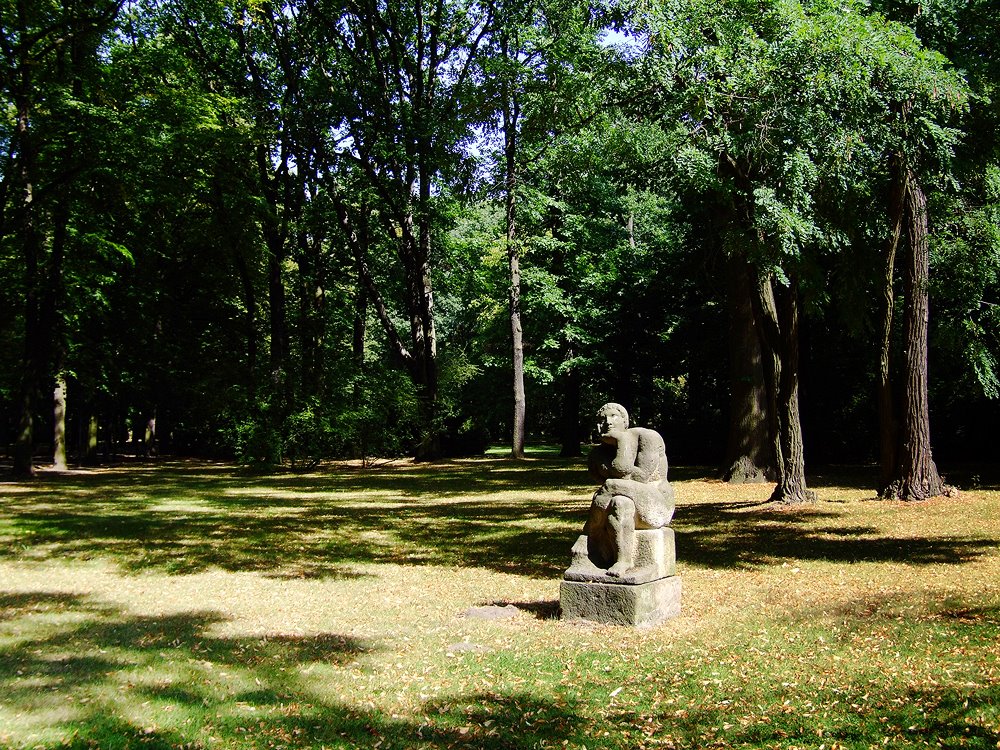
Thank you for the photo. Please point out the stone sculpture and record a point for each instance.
(627, 549)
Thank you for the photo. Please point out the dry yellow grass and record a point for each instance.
(194, 604)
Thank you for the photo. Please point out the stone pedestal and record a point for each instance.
(654, 555)
(647, 594)
(639, 605)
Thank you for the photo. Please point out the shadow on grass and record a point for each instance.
(724, 535)
(98, 677)
(911, 718)
(185, 517)
(512, 517)
(544, 610)
(498, 723)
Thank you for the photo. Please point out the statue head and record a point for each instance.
(612, 417)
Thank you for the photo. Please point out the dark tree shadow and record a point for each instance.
(92, 663)
(725, 535)
(546, 610)
(899, 720)
(183, 517)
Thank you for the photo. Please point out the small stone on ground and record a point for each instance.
(492, 612)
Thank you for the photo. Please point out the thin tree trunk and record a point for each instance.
(511, 115)
(429, 448)
(571, 412)
(90, 451)
(249, 322)
(275, 235)
(149, 436)
(59, 423)
(53, 323)
(359, 447)
(517, 342)
(750, 455)
(308, 333)
(280, 384)
(278, 321)
(32, 365)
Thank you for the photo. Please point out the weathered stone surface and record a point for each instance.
(639, 605)
(492, 612)
(623, 570)
(631, 463)
(654, 557)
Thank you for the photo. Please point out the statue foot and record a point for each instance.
(619, 569)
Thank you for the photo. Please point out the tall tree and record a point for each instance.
(964, 244)
(908, 469)
(37, 40)
(535, 47)
(752, 88)
(403, 107)
(749, 451)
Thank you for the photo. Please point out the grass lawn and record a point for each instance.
(194, 605)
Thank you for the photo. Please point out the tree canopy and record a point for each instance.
(325, 228)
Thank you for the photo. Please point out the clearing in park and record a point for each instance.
(195, 605)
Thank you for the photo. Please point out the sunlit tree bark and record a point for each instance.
(915, 475)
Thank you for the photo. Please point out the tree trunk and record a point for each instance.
(32, 365)
(280, 381)
(791, 487)
(53, 322)
(777, 313)
(916, 476)
(149, 436)
(429, 447)
(311, 314)
(517, 342)
(250, 323)
(90, 452)
(275, 234)
(571, 413)
(750, 454)
(278, 322)
(511, 115)
(888, 428)
(359, 447)
(59, 423)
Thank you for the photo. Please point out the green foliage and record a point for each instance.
(256, 442)
(197, 162)
(383, 419)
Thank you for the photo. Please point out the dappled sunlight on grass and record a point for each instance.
(189, 516)
(193, 605)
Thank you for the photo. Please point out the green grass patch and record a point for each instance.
(194, 605)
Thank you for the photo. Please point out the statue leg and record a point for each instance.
(621, 523)
(600, 549)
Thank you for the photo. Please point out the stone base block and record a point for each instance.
(656, 548)
(639, 605)
(654, 557)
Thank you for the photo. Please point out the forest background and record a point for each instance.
(283, 232)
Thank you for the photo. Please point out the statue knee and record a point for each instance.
(622, 507)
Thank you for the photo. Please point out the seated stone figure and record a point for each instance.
(635, 494)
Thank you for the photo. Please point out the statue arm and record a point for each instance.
(625, 458)
(652, 457)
